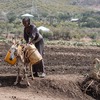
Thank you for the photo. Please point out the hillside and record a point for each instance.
(53, 14)
(89, 2)
(41, 6)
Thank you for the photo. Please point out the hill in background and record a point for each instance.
(54, 14)
(45, 6)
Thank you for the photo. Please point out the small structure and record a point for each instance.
(27, 15)
(44, 29)
(74, 20)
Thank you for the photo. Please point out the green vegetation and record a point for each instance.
(55, 15)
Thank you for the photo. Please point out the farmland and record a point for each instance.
(65, 66)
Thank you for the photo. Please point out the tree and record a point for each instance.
(11, 17)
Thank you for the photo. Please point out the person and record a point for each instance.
(32, 35)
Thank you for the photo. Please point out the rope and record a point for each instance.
(26, 54)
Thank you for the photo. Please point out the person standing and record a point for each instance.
(32, 35)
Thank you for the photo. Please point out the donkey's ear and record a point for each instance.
(96, 60)
(17, 42)
(22, 41)
(22, 46)
(13, 42)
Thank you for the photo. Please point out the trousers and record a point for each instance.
(39, 67)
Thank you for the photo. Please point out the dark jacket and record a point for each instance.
(32, 33)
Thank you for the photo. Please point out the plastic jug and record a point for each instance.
(8, 60)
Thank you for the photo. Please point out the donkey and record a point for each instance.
(95, 71)
(21, 54)
(96, 63)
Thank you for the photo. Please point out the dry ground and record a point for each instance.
(65, 67)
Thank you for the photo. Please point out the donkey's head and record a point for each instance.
(96, 63)
(17, 50)
(13, 51)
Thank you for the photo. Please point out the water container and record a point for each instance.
(7, 59)
(33, 54)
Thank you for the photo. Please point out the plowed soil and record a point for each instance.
(65, 68)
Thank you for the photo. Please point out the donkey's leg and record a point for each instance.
(26, 77)
(18, 72)
(17, 78)
(31, 69)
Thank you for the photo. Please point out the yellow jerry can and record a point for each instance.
(33, 54)
(8, 60)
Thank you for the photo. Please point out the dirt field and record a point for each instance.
(65, 68)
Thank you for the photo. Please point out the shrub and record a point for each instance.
(47, 35)
(11, 16)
